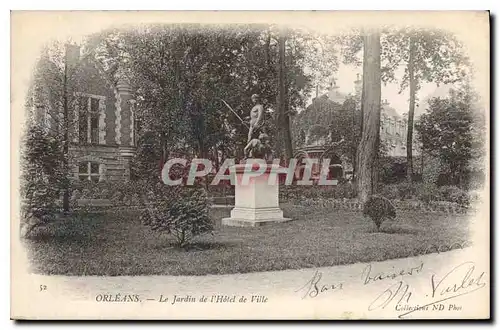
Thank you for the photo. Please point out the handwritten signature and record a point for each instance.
(315, 286)
(399, 289)
(368, 277)
(459, 281)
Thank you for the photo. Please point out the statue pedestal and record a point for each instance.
(256, 201)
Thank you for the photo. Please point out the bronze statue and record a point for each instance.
(259, 148)
(256, 118)
(258, 144)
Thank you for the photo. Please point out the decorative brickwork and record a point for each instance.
(102, 121)
(118, 115)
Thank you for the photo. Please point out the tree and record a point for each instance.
(182, 214)
(57, 76)
(41, 177)
(428, 56)
(336, 125)
(453, 129)
(368, 146)
(181, 73)
(283, 115)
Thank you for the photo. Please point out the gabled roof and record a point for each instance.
(441, 91)
(336, 96)
(390, 111)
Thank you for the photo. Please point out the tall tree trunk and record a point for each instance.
(267, 51)
(368, 149)
(376, 161)
(66, 134)
(421, 164)
(216, 157)
(354, 143)
(361, 118)
(164, 151)
(284, 114)
(278, 139)
(411, 111)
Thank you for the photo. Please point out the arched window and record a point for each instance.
(88, 171)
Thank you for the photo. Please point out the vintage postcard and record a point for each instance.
(250, 165)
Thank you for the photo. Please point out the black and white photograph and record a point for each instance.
(326, 165)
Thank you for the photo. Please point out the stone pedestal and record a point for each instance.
(257, 200)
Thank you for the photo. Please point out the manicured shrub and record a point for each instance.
(432, 169)
(406, 190)
(182, 216)
(392, 169)
(454, 194)
(459, 196)
(427, 192)
(295, 192)
(120, 193)
(378, 209)
(346, 190)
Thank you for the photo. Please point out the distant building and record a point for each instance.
(393, 130)
(393, 126)
(334, 94)
(101, 112)
(441, 91)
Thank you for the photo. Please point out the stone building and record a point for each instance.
(393, 126)
(393, 130)
(101, 115)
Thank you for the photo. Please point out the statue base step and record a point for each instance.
(256, 201)
(254, 217)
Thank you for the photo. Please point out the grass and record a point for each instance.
(118, 244)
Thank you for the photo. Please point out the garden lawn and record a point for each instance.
(118, 244)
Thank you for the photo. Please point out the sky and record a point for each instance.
(346, 75)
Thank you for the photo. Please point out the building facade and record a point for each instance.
(393, 126)
(101, 116)
(393, 130)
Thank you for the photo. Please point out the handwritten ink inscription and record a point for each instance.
(368, 277)
(399, 294)
(399, 290)
(316, 286)
(468, 283)
(460, 280)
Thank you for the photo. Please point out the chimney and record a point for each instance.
(335, 83)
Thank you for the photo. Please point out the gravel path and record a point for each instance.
(348, 292)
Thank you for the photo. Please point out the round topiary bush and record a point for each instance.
(379, 209)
